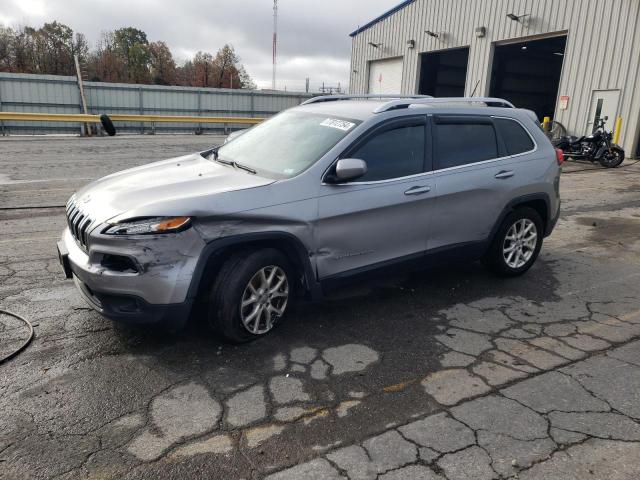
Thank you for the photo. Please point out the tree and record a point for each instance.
(204, 70)
(6, 48)
(163, 67)
(104, 64)
(23, 51)
(231, 73)
(185, 73)
(225, 62)
(124, 55)
(48, 49)
(54, 49)
(132, 46)
(246, 81)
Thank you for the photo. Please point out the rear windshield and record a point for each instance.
(288, 143)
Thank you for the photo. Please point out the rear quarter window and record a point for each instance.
(461, 143)
(515, 137)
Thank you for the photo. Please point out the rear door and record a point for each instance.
(474, 175)
(604, 103)
(384, 215)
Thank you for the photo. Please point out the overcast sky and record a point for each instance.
(313, 34)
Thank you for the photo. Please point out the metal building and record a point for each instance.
(572, 60)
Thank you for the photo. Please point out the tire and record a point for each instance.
(497, 257)
(107, 124)
(226, 315)
(612, 158)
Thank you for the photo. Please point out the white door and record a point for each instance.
(604, 103)
(385, 76)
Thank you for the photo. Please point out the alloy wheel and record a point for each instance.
(264, 299)
(611, 158)
(520, 243)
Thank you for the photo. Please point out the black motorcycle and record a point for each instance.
(597, 147)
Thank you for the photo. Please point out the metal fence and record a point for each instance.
(60, 94)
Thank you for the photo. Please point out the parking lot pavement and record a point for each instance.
(439, 374)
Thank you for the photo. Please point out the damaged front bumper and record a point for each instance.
(136, 280)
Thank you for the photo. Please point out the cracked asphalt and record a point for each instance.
(444, 374)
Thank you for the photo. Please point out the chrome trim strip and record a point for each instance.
(388, 180)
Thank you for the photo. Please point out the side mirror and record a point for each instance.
(350, 169)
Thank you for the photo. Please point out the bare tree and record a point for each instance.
(123, 55)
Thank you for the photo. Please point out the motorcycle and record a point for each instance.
(597, 147)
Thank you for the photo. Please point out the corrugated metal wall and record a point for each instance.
(602, 51)
(59, 94)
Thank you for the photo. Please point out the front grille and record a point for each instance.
(79, 223)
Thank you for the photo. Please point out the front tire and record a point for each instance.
(517, 243)
(612, 158)
(250, 295)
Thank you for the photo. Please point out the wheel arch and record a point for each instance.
(217, 251)
(538, 201)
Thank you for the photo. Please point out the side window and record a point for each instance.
(393, 153)
(462, 143)
(515, 138)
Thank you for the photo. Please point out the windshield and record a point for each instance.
(286, 144)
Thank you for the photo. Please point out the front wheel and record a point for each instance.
(612, 157)
(250, 295)
(517, 243)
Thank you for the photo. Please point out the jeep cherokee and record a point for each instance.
(333, 188)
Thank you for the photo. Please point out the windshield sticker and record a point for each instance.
(339, 124)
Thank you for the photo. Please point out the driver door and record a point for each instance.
(384, 215)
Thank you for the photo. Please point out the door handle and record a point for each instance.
(504, 174)
(417, 190)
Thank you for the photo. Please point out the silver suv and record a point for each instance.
(331, 189)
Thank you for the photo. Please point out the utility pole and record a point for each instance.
(306, 85)
(275, 42)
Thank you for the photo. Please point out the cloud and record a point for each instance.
(313, 36)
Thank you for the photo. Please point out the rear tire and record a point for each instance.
(516, 244)
(250, 295)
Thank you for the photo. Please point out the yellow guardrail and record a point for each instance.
(78, 117)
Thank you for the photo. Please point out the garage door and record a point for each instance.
(385, 76)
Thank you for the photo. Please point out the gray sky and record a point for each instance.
(313, 35)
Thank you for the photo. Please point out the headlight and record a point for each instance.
(143, 226)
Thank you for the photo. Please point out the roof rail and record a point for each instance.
(331, 98)
(404, 103)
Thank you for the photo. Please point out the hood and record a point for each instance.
(161, 186)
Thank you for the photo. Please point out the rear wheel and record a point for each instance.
(250, 295)
(517, 243)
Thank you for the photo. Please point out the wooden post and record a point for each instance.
(83, 99)
(141, 108)
(199, 126)
(1, 121)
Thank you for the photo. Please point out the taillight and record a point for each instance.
(559, 156)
